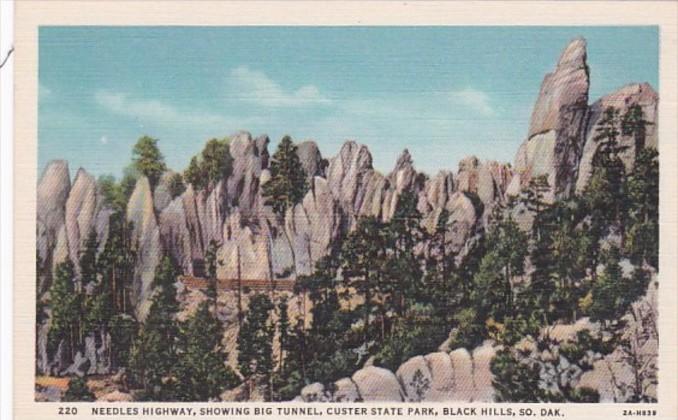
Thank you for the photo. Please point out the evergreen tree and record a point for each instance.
(78, 391)
(287, 185)
(148, 160)
(513, 380)
(255, 341)
(363, 258)
(195, 175)
(505, 259)
(211, 266)
(613, 293)
(65, 310)
(605, 194)
(212, 165)
(175, 185)
(154, 352)
(283, 333)
(405, 232)
(633, 123)
(88, 260)
(643, 186)
(201, 373)
(117, 260)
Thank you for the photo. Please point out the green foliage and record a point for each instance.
(175, 185)
(88, 259)
(211, 165)
(643, 186)
(123, 329)
(605, 194)
(154, 352)
(255, 339)
(65, 308)
(78, 391)
(363, 257)
(550, 373)
(114, 194)
(412, 339)
(201, 373)
(515, 381)
(288, 184)
(116, 262)
(612, 292)
(633, 123)
(211, 262)
(148, 160)
(405, 268)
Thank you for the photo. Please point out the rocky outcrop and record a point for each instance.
(256, 244)
(640, 94)
(555, 136)
(455, 376)
(52, 193)
(311, 159)
(146, 241)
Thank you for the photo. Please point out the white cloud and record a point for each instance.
(255, 86)
(154, 111)
(103, 140)
(476, 100)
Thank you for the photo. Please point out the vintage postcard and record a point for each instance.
(341, 210)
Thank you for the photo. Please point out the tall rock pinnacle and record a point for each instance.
(556, 135)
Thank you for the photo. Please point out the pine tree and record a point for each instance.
(633, 123)
(363, 257)
(211, 263)
(643, 186)
(154, 352)
(212, 165)
(201, 373)
(88, 260)
(605, 193)
(65, 309)
(287, 185)
(148, 160)
(405, 232)
(78, 391)
(283, 333)
(255, 341)
(611, 292)
(117, 260)
(504, 260)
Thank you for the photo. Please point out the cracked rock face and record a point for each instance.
(53, 189)
(640, 94)
(146, 240)
(555, 137)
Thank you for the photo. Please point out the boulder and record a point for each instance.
(346, 391)
(442, 376)
(415, 377)
(377, 384)
(462, 366)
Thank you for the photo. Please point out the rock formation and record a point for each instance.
(555, 137)
(257, 244)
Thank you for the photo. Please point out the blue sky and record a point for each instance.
(442, 92)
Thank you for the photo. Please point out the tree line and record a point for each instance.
(387, 290)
